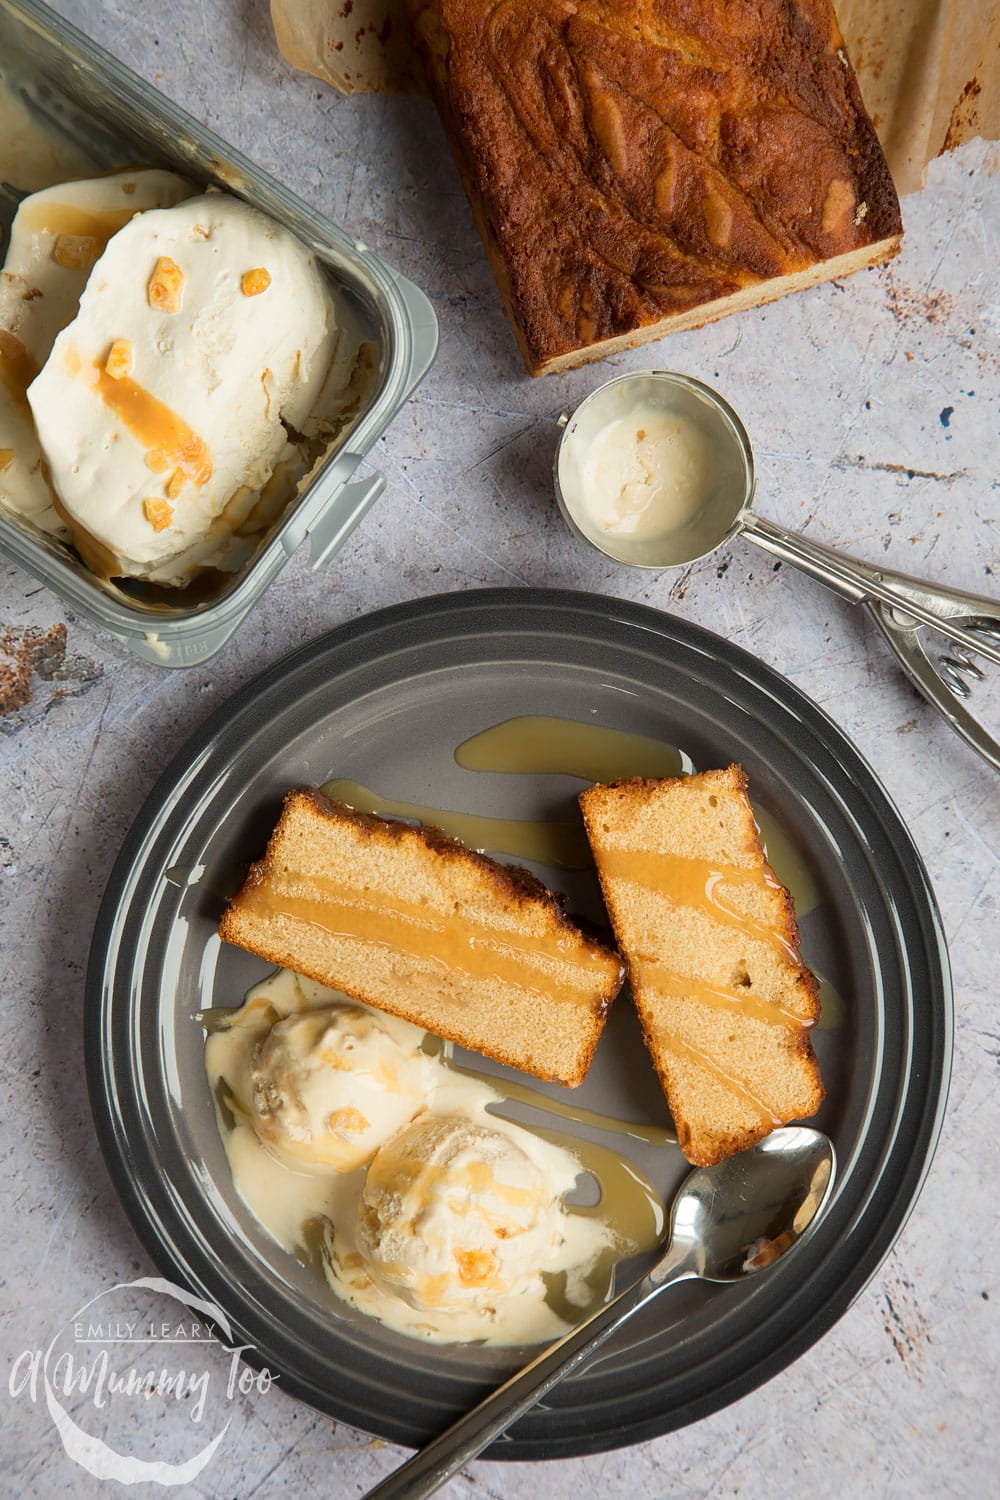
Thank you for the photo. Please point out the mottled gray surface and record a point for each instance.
(874, 408)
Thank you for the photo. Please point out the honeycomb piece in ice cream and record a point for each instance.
(76, 252)
(159, 513)
(252, 283)
(165, 289)
(119, 360)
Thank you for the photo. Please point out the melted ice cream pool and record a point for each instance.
(364, 1153)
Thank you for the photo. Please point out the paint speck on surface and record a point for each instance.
(903, 471)
(911, 307)
(946, 415)
(903, 1320)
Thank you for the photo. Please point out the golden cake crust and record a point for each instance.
(636, 166)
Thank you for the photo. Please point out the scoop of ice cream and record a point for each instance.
(455, 1215)
(22, 483)
(204, 335)
(55, 238)
(330, 1086)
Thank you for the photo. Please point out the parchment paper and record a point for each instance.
(929, 73)
(929, 70)
(360, 46)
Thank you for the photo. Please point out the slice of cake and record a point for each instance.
(637, 167)
(711, 942)
(412, 922)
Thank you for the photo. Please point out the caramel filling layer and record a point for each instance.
(696, 883)
(454, 941)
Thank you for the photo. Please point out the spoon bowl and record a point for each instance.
(727, 1222)
(737, 1218)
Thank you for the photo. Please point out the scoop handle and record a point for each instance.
(432, 1466)
(930, 604)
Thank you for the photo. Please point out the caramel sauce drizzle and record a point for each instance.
(542, 744)
(170, 443)
(547, 843)
(453, 940)
(739, 1086)
(477, 1177)
(66, 218)
(695, 883)
(18, 368)
(658, 976)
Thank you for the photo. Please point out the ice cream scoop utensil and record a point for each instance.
(900, 605)
(727, 1222)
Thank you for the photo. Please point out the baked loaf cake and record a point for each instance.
(641, 166)
(412, 922)
(711, 942)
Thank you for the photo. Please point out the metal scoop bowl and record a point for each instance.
(900, 605)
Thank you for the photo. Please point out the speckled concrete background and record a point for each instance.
(873, 405)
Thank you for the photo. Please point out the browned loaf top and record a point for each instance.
(638, 166)
(412, 922)
(711, 942)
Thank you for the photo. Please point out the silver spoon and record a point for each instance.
(727, 1222)
(901, 606)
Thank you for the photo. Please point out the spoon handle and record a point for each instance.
(428, 1469)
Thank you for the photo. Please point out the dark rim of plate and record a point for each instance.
(827, 1273)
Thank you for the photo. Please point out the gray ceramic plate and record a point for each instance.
(386, 700)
